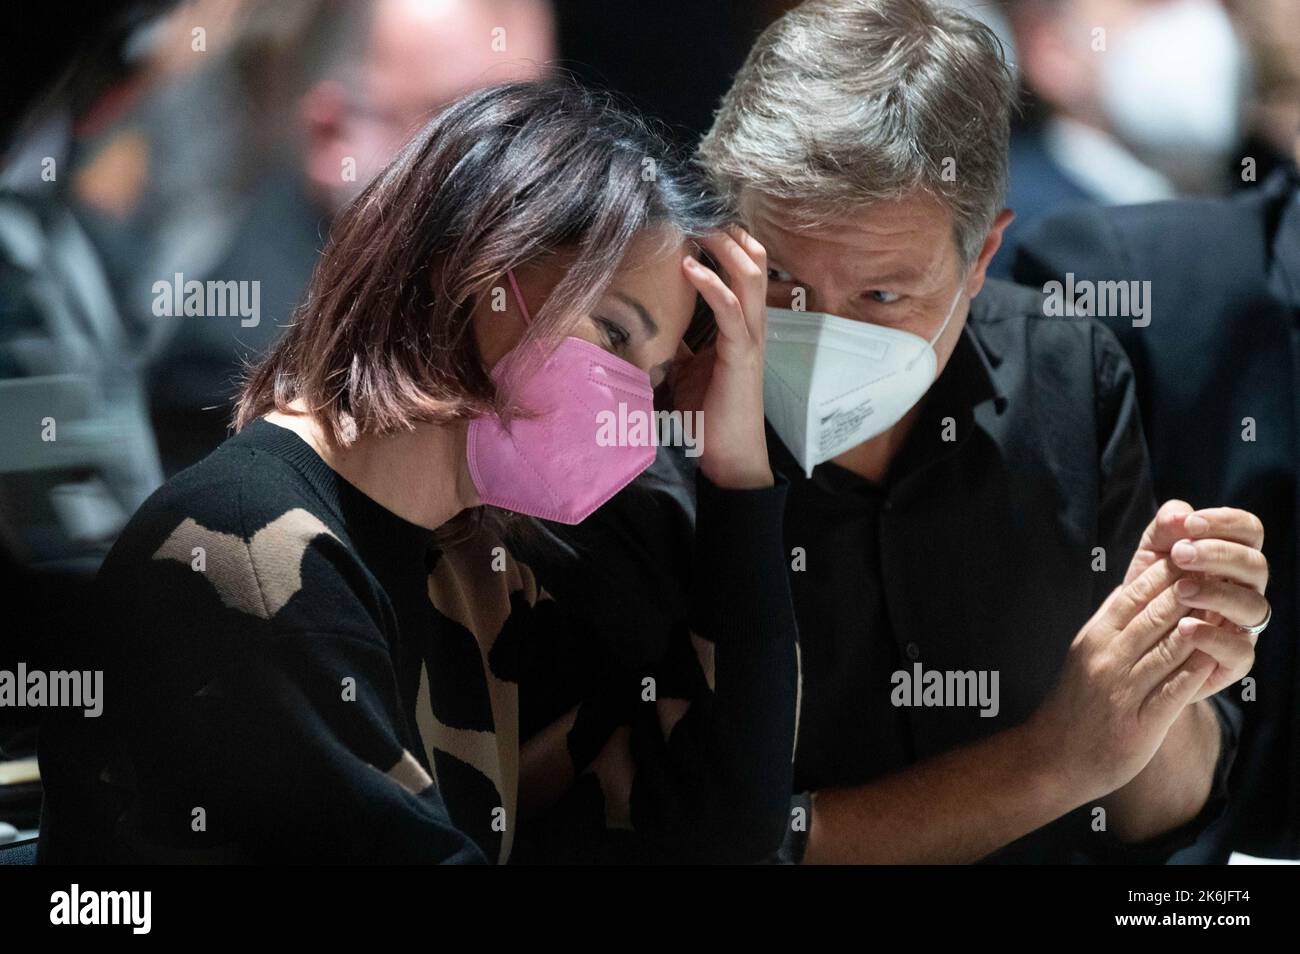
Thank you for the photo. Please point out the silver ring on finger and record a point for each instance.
(1259, 627)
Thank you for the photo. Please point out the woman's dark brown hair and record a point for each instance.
(383, 339)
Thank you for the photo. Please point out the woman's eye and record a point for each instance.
(615, 333)
(776, 275)
(884, 297)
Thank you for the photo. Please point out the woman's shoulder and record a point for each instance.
(241, 521)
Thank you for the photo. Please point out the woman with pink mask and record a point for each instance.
(316, 640)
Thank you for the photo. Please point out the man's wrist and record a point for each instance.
(1019, 763)
(1047, 768)
(1161, 796)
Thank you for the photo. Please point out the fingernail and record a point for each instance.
(1187, 625)
(1184, 551)
(1186, 588)
(1196, 524)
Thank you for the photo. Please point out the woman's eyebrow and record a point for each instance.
(651, 329)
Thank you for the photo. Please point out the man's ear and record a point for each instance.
(992, 242)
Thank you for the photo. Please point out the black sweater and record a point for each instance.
(294, 673)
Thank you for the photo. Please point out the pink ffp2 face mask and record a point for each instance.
(548, 462)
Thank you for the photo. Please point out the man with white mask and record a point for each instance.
(1006, 654)
(831, 384)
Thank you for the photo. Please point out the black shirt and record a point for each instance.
(1010, 513)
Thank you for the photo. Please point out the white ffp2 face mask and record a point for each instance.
(830, 383)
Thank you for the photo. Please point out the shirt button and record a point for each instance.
(913, 651)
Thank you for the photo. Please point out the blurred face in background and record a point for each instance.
(419, 55)
(1165, 77)
(1272, 28)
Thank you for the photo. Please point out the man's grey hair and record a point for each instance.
(843, 103)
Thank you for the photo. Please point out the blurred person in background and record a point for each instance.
(77, 454)
(167, 166)
(313, 98)
(1131, 101)
(1272, 30)
(402, 61)
(69, 360)
(1221, 353)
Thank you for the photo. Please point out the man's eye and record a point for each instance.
(615, 333)
(884, 297)
(776, 275)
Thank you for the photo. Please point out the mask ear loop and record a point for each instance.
(952, 310)
(519, 298)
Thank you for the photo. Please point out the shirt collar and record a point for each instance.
(1102, 166)
(969, 381)
(970, 377)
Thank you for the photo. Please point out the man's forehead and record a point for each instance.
(905, 238)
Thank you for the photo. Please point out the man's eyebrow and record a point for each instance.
(651, 329)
